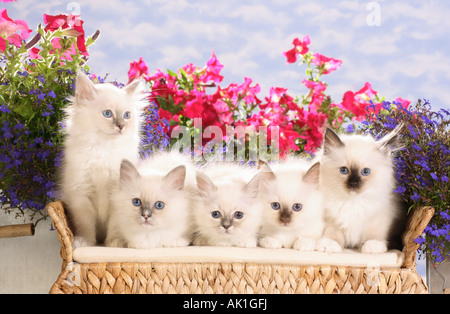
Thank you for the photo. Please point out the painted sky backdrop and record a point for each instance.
(401, 47)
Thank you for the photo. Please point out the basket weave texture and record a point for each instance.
(235, 277)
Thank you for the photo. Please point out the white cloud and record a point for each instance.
(424, 19)
(260, 14)
(128, 9)
(174, 57)
(321, 14)
(127, 35)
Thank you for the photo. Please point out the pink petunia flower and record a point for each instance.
(357, 102)
(313, 135)
(67, 52)
(404, 103)
(213, 68)
(300, 47)
(329, 64)
(316, 92)
(138, 69)
(9, 30)
(34, 53)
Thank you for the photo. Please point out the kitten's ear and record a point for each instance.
(136, 86)
(312, 175)
(175, 178)
(128, 174)
(265, 177)
(84, 88)
(331, 141)
(265, 171)
(204, 184)
(391, 141)
(261, 164)
(252, 188)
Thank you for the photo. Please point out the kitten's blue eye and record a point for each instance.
(343, 170)
(136, 202)
(275, 205)
(365, 171)
(215, 214)
(127, 115)
(107, 113)
(238, 215)
(297, 207)
(159, 205)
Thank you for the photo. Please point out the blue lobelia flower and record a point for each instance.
(400, 189)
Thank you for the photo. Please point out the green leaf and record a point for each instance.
(171, 73)
(25, 110)
(183, 74)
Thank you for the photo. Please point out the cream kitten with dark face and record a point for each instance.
(228, 209)
(103, 125)
(151, 207)
(292, 213)
(357, 180)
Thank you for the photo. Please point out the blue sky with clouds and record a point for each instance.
(401, 47)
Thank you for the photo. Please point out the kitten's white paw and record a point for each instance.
(246, 243)
(270, 243)
(80, 242)
(328, 245)
(304, 244)
(374, 247)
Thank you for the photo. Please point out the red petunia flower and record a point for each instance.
(300, 47)
(71, 24)
(213, 68)
(357, 102)
(138, 69)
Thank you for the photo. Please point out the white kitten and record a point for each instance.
(151, 207)
(357, 179)
(228, 211)
(103, 126)
(292, 215)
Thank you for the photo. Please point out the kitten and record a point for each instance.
(357, 179)
(292, 215)
(227, 212)
(103, 126)
(152, 204)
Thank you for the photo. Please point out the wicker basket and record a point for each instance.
(183, 277)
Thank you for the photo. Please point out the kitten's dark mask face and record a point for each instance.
(286, 212)
(354, 177)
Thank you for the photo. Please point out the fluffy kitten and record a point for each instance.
(227, 212)
(103, 126)
(357, 178)
(292, 214)
(152, 204)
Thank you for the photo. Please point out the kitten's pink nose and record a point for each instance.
(146, 216)
(120, 126)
